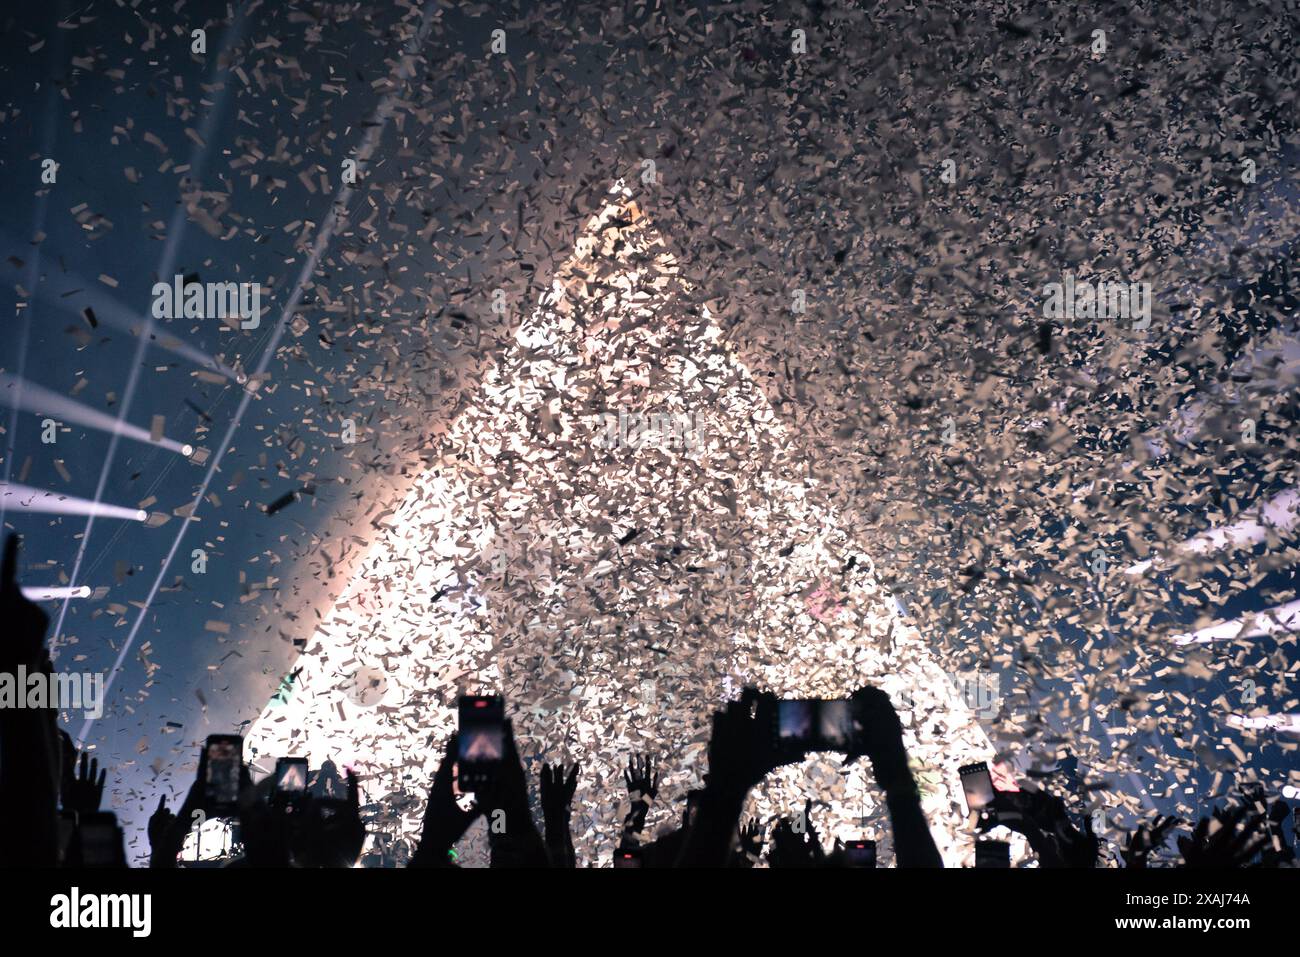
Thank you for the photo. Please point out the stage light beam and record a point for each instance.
(27, 396)
(1278, 516)
(337, 214)
(24, 498)
(56, 592)
(1280, 620)
(175, 232)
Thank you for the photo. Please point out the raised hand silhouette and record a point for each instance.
(741, 749)
(641, 776)
(86, 789)
(1045, 822)
(1147, 839)
(558, 787)
(269, 839)
(332, 834)
(879, 737)
(642, 780)
(161, 823)
(1230, 838)
(556, 791)
(795, 842)
(445, 821)
(167, 831)
(751, 836)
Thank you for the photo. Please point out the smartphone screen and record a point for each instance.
(795, 725)
(992, 854)
(860, 854)
(977, 784)
(481, 740)
(224, 758)
(810, 724)
(834, 725)
(627, 857)
(290, 780)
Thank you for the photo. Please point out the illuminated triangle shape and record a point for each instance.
(615, 595)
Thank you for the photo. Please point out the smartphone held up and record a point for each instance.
(481, 738)
(221, 771)
(802, 725)
(977, 786)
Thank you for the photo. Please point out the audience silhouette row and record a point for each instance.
(51, 797)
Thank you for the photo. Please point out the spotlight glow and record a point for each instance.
(1281, 723)
(1277, 516)
(428, 543)
(24, 498)
(1281, 620)
(29, 397)
(56, 592)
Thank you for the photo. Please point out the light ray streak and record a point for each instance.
(24, 498)
(1280, 620)
(48, 136)
(364, 152)
(25, 396)
(56, 592)
(175, 232)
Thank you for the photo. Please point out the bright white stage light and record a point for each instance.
(30, 397)
(1281, 723)
(23, 498)
(1276, 516)
(1280, 620)
(56, 592)
(111, 312)
(421, 606)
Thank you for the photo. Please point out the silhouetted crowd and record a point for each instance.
(50, 799)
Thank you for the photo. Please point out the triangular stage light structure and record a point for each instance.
(617, 535)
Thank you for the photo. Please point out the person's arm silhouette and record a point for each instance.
(445, 822)
(1235, 841)
(741, 754)
(880, 738)
(512, 835)
(29, 744)
(557, 790)
(1045, 822)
